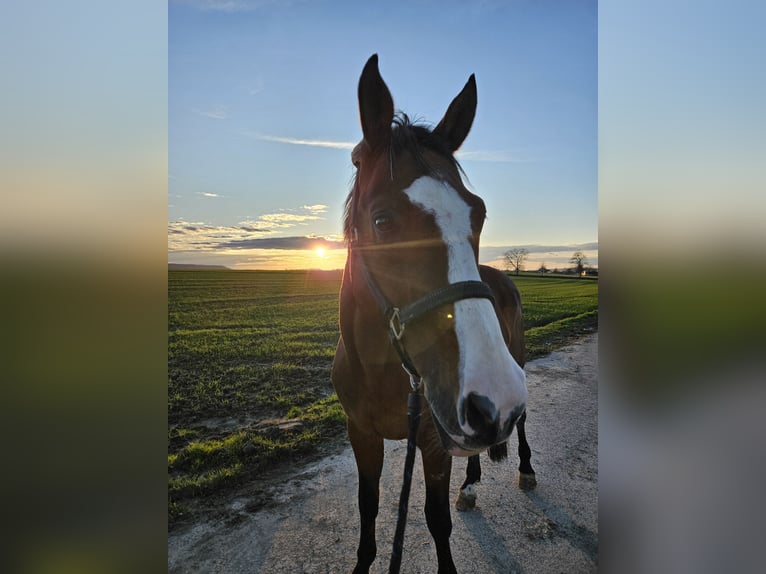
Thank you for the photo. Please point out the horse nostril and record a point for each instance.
(481, 415)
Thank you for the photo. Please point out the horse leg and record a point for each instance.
(368, 452)
(437, 466)
(466, 498)
(526, 479)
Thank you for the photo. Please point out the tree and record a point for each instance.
(579, 261)
(542, 269)
(514, 259)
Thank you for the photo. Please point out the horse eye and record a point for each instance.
(383, 222)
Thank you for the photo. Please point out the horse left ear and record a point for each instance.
(457, 122)
(376, 106)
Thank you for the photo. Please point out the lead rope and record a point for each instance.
(413, 421)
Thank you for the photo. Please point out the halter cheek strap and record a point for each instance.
(399, 318)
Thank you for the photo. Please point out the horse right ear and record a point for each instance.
(457, 122)
(376, 107)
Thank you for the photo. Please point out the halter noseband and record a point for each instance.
(399, 317)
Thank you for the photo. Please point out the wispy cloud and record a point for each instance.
(290, 218)
(227, 5)
(208, 194)
(216, 112)
(499, 156)
(256, 87)
(536, 248)
(287, 219)
(304, 142)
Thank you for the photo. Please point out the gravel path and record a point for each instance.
(310, 524)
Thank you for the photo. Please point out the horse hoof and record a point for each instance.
(466, 499)
(526, 481)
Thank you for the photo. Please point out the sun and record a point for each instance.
(320, 251)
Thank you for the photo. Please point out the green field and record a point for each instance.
(249, 357)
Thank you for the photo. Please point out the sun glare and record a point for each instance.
(320, 252)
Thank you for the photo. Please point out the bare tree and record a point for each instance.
(514, 259)
(579, 261)
(542, 269)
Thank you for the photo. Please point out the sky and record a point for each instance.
(262, 116)
(86, 137)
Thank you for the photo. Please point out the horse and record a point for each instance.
(417, 313)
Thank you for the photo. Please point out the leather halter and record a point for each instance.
(399, 317)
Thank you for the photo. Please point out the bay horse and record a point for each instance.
(413, 295)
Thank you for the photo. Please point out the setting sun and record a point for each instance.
(320, 252)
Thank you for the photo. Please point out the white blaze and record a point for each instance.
(485, 365)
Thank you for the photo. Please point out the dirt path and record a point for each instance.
(310, 523)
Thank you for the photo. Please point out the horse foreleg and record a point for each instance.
(526, 478)
(368, 452)
(466, 498)
(437, 466)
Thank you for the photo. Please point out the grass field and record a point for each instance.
(249, 357)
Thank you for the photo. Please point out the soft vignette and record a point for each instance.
(671, 482)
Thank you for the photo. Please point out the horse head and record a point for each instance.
(413, 230)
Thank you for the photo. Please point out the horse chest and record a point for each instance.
(383, 410)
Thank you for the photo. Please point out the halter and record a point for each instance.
(399, 317)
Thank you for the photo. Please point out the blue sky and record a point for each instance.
(262, 113)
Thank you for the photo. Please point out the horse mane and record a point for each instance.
(411, 137)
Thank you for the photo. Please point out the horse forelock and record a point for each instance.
(406, 137)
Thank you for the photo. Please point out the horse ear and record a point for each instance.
(376, 107)
(456, 123)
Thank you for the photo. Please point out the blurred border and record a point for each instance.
(682, 137)
(83, 174)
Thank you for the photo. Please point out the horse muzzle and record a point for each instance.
(480, 420)
(480, 427)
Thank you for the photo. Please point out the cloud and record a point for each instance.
(256, 87)
(291, 218)
(289, 243)
(199, 236)
(207, 194)
(230, 6)
(318, 208)
(185, 236)
(498, 156)
(540, 248)
(552, 255)
(216, 112)
(287, 219)
(304, 142)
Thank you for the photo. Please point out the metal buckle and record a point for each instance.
(395, 324)
(415, 380)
